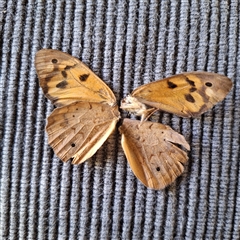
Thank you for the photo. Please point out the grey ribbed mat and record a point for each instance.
(126, 43)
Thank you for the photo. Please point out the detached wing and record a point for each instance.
(78, 130)
(151, 152)
(186, 95)
(64, 80)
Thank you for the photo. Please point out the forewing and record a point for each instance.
(151, 152)
(64, 79)
(187, 94)
(78, 130)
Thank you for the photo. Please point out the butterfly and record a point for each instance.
(86, 114)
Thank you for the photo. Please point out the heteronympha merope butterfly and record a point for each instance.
(86, 114)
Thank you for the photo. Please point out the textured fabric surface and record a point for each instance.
(126, 43)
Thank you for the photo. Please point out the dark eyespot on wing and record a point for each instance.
(62, 84)
(208, 84)
(54, 60)
(84, 77)
(189, 98)
(193, 89)
(64, 74)
(171, 84)
(190, 82)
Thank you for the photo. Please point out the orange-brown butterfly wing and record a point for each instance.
(151, 153)
(64, 79)
(78, 130)
(186, 95)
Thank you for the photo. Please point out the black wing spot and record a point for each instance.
(158, 169)
(62, 84)
(193, 89)
(189, 98)
(73, 145)
(208, 84)
(54, 60)
(67, 67)
(171, 84)
(84, 77)
(190, 82)
(64, 74)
